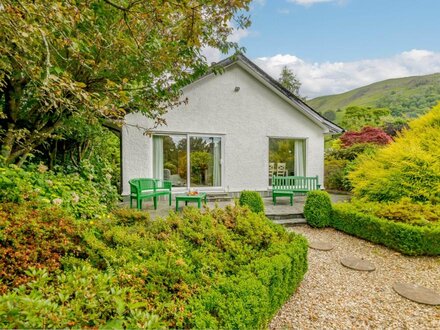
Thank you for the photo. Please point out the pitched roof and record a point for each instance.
(299, 104)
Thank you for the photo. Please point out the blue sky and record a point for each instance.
(337, 45)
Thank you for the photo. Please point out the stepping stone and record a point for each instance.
(320, 245)
(417, 293)
(358, 264)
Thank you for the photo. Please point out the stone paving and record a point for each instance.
(282, 208)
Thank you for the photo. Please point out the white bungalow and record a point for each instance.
(237, 129)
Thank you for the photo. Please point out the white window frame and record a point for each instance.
(188, 161)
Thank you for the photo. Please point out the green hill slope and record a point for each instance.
(405, 97)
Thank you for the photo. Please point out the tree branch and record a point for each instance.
(46, 44)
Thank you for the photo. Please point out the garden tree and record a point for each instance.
(330, 115)
(99, 59)
(289, 81)
(394, 127)
(407, 168)
(366, 135)
(356, 117)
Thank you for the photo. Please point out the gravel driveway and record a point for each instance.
(332, 296)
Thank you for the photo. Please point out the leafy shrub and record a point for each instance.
(82, 197)
(352, 152)
(405, 238)
(421, 214)
(227, 268)
(253, 200)
(318, 209)
(124, 216)
(334, 173)
(368, 134)
(409, 167)
(83, 297)
(394, 127)
(32, 238)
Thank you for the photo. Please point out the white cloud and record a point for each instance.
(337, 77)
(312, 2)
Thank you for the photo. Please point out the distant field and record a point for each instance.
(405, 97)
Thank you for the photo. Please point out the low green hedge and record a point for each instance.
(405, 238)
(226, 268)
(318, 209)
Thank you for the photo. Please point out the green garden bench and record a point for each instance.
(287, 186)
(146, 188)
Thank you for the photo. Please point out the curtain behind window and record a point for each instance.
(300, 158)
(158, 157)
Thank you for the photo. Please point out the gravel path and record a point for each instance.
(332, 296)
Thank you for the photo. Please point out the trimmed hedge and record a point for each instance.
(405, 238)
(318, 209)
(253, 200)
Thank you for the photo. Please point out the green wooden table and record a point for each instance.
(191, 198)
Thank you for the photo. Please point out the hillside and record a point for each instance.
(405, 97)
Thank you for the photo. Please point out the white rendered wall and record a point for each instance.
(246, 119)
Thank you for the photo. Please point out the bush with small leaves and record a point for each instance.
(224, 268)
(80, 196)
(33, 238)
(318, 209)
(83, 297)
(405, 238)
(253, 200)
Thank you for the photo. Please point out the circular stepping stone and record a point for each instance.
(358, 264)
(417, 293)
(320, 245)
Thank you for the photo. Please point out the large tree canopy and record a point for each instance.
(99, 59)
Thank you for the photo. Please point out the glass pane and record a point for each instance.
(205, 161)
(170, 159)
(281, 157)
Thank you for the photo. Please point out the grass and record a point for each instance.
(409, 96)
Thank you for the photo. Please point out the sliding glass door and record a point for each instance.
(205, 161)
(195, 164)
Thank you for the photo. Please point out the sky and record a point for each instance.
(334, 46)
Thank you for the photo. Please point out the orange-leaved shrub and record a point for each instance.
(32, 238)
